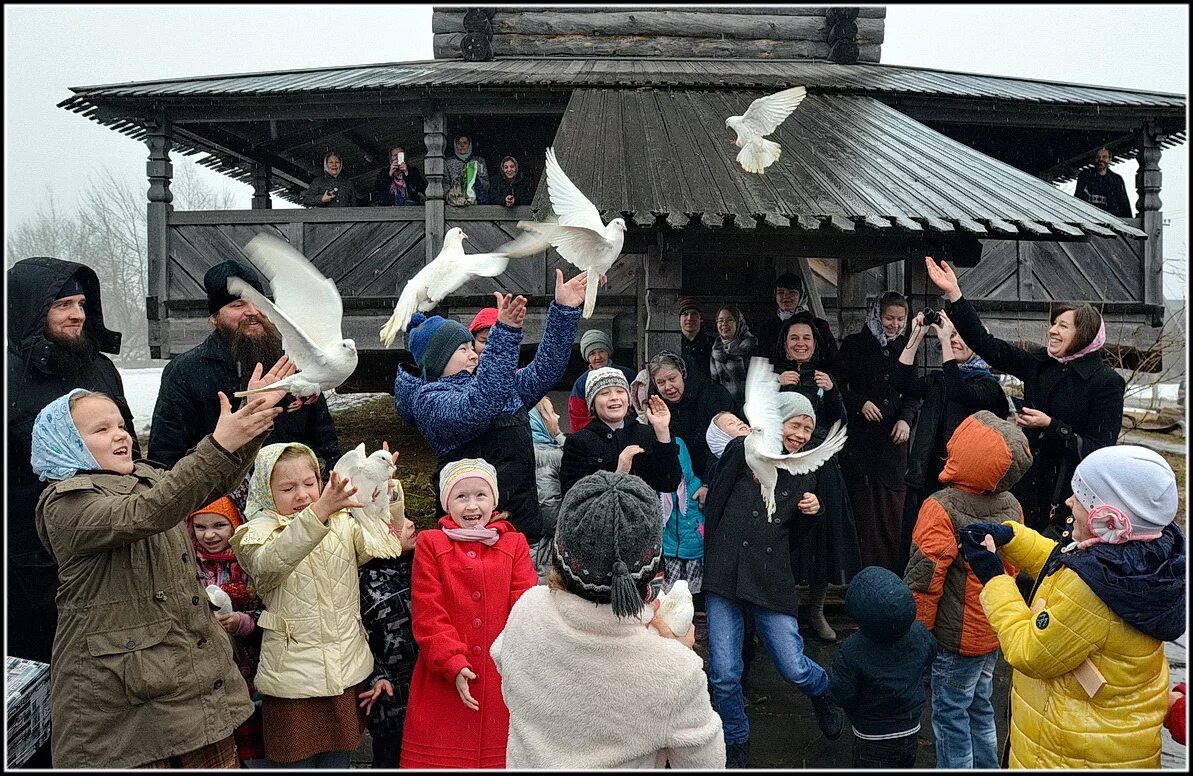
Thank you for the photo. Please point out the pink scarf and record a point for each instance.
(486, 536)
(1099, 341)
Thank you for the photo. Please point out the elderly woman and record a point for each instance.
(329, 189)
(457, 169)
(693, 403)
(731, 352)
(512, 188)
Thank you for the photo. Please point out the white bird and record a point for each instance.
(579, 235)
(219, 599)
(308, 313)
(370, 475)
(676, 608)
(762, 118)
(448, 271)
(765, 440)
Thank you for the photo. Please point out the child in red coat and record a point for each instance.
(467, 575)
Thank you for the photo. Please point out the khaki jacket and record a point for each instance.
(140, 670)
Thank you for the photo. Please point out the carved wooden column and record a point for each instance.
(1151, 218)
(262, 180)
(435, 139)
(160, 171)
(663, 281)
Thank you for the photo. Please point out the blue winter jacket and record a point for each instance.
(682, 537)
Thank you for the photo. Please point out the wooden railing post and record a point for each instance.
(664, 275)
(261, 183)
(1152, 218)
(157, 220)
(435, 139)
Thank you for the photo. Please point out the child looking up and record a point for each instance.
(304, 549)
(467, 575)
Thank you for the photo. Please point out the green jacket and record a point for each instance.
(141, 670)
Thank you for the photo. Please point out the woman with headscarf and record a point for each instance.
(731, 352)
(874, 460)
(1072, 400)
(329, 189)
(693, 401)
(399, 183)
(512, 188)
(469, 171)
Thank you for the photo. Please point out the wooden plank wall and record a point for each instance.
(744, 33)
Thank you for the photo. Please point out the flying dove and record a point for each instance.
(762, 118)
(308, 313)
(370, 475)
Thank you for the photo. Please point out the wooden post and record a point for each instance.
(664, 275)
(435, 139)
(157, 220)
(1151, 218)
(261, 182)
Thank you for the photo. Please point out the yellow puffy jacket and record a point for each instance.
(1054, 722)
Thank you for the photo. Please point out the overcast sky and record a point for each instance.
(50, 48)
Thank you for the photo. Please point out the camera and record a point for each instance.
(930, 316)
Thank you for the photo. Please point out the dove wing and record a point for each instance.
(578, 244)
(766, 113)
(810, 460)
(568, 202)
(310, 300)
(762, 403)
(301, 349)
(350, 461)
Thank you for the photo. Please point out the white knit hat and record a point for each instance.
(1129, 492)
(600, 379)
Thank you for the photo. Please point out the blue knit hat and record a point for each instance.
(432, 340)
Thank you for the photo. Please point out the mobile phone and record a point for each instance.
(401, 157)
(1021, 403)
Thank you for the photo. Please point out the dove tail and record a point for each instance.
(590, 293)
(758, 154)
(242, 394)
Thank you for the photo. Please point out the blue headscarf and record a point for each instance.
(538, 429)
(974, 368)
(58, 448)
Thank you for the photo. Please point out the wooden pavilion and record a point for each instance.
(881, 165)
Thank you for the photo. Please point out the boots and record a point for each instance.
(829, 717)
(737, 755)
(820, 626)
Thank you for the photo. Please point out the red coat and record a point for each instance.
(461, 595)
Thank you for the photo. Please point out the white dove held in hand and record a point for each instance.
(676, 608)
(761, 119)
(219, 599)
(308, 313)
(448, 271)
(580, 236)
(764, 444)
(370, 475)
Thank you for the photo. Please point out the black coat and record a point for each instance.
(385, 614)
(949, 397)
(866, 369)
(1084, 398)
(702, 401)
(188, 407)
(416, 187)
(773, 329)
(596, 448)
(697, 353)
(500, 187)
(747, 557)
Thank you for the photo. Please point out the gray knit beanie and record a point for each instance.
(792, 403)
(593, 339)
(609, 540)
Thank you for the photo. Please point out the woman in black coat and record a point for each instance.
(693, 401)
(511, 188)
(874, 460)
(829, 553)
(609, 442)
(1072, 401)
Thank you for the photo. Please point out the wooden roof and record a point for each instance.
(848, 162)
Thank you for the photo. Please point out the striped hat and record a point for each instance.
(600, 379)
(466, 468)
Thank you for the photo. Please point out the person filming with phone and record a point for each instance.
(1072, 400)
(399, 182)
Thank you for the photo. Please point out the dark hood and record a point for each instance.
(33, 284)
(1142, 582)
(881, 603)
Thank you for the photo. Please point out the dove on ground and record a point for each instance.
(370, 475)
(578, 234)
(220, 599)
(764, 443)
(761, 119)
(308, 313)
(676, 608)
(448, 271)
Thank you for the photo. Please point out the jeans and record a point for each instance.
(887, 753)
(323, 760)
(962, 714)
(780, 634)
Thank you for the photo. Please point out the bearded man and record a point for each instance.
(56, 342)
(188, 403)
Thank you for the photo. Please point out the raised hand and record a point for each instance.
(282, 369)
(336, 496)
(234, 430)
(511, 310)
(571, 293)
(944, 278)
(658, 414)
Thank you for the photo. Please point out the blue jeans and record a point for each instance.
(962, 714)
(323, 760)
(780, 634)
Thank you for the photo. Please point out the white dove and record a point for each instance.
(219, 599)
(448, 271)
(676, 608)
(309, 315)
(762, 118)
(370, 475)
(765, 440)
(579, 235)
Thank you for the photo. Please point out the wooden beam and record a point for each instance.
(446, 46)
(663, 273)
(221, 141)
(435, 169)
(1073, 165)
(950, 110)
(309, 135)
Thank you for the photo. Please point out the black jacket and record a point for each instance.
(772, 330)
(500, 187)
(33, 383)
(1107, 192)
(747, 557)
(385, 614)
(949, 398)
(596, 447)
(416, 187)
(344, 191)
(1084, 398)
(188, 407)
(702, 400)
(697, 353)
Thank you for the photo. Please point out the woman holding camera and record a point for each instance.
(329, 189)
(829, 551)
(1072, 400)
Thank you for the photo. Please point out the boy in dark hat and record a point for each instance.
(695, 344)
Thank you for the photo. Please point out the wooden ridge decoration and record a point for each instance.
(842, 35)
(477, 43)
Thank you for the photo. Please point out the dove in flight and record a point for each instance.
(677, 608)
(308, 313)
(762, 118)
(579, 234)
(764, 444)
(370, 475)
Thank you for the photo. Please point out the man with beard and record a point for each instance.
(1103, 188)
(188, 403)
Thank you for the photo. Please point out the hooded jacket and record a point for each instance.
(1114, 605)
(987, 456)
(33, 383)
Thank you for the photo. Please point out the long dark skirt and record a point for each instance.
(878, 516)
(828, 553)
